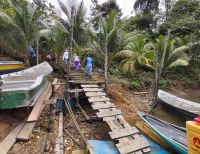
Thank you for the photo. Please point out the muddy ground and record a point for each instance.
(42, 132)
(45, 131)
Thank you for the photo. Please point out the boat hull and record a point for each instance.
(180, 149)
(16, 99)
(185, 106)
(10, 67)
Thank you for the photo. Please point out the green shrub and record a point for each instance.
(136, 84)
(165, 84)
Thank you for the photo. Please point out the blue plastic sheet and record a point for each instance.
(103, 147)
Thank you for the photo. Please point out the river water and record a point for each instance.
(167, 113)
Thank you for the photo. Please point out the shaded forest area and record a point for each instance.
(163, 35)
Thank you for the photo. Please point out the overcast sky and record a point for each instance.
(125, 5)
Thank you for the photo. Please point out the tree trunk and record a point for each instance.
(156, 81)
(106, 66)
(71, 46)
(159, 70)
(26, 59)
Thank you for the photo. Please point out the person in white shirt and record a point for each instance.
(66, 56)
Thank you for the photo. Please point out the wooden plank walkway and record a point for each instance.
(128, 139)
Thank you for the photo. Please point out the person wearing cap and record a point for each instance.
(88, 66)
(66, 56)
(76, 63)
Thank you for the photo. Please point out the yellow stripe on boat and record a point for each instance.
(5, 65)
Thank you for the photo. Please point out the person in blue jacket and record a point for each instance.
(88, 66)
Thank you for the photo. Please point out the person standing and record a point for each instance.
(76, 63)
(66, 56)
(88, 66)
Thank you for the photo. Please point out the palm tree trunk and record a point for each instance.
(159, 70)
(71, 47)
(26, 59)
(164, 54)
(106, 66)
(156, 81)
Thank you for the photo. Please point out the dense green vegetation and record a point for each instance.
(130, 49)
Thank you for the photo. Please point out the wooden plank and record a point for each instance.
(26, 131)
(94, 94)
(36, 109)
(59, 147)
(146, 150)
(123, 132)
(98, 99)
(108, 113)
(89, 86)
(74, 90)
(92, 89)
(86, 82)
(103, 106)
(8, 142)
(55, 81)
(133, 146)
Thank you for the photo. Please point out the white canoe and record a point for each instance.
(177, 102)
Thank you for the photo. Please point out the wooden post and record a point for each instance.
(37, 42)
(59, 140)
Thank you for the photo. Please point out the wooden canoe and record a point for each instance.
(170, 133)
(190, 108)
(10, 66)
(23, 88)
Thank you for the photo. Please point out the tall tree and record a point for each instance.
(108, 29)
(103, 9)
(146, 6)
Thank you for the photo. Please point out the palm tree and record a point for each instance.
(79, 22)
(108, 32)
(11, 36)
(136, 53)
(175, 55)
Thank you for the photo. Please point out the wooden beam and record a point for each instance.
(137, 144)
(108, 113)
(98, 99)
(120, 133)
(102, 105)
(8, 142)
(59, 148)
(92, 89)
(90, 86)
(74, 90)
(86, 82)
(26, 131)
(95, 94)
(36, 109)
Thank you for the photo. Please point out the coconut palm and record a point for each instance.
(136, 53)
(108, 34)
(175, 54)
(79, 22)
(11, 36)
(23, 23)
